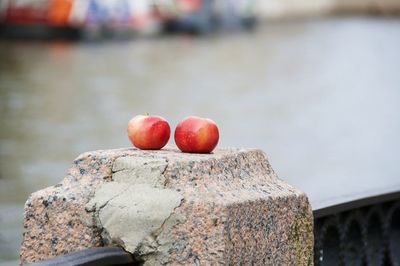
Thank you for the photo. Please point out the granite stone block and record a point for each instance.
(172, 208)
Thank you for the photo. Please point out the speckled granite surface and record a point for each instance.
(179, 209)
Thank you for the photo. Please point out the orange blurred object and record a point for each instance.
(58, 12)
(189, 5)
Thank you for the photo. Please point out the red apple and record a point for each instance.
(196, 135)
(148, 132)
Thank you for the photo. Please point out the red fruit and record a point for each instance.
(148, 132)
(196, 135)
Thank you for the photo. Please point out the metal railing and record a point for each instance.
(366, 235)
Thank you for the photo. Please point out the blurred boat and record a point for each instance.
(79, 18)
(99, 18)
(204, 16)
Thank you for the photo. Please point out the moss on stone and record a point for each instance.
(301, 237)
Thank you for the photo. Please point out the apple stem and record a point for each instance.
(146, 114)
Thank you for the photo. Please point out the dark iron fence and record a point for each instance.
(368, 235)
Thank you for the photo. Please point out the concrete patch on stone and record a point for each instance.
(136, 211)
(139, 170)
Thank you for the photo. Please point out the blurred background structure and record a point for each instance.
(316, 85)
(123, 18)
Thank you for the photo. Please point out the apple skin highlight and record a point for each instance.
(148, 132)
(196, 135)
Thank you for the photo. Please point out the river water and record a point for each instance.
(320, 97)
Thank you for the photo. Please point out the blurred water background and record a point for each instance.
(320, 97)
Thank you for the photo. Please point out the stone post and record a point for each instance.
(172, 208)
